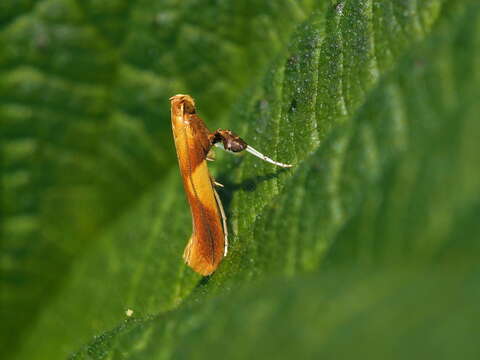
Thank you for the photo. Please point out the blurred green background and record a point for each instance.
(367, 248)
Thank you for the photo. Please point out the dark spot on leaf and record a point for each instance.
(293, 105)
(293, 60)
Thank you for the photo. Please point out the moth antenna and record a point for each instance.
(240, 145)
(265, 158)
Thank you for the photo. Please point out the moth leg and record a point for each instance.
(215, 183)
(211, 155)
(232, 142)
(224, 218)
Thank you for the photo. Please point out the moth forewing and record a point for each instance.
(205, 248)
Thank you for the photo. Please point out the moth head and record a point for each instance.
(184, 100)
(231, 142)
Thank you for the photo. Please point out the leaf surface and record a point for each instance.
(374, 103)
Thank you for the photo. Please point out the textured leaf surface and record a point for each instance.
(86, 132)
(374, 102)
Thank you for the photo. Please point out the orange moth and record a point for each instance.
(209, 241)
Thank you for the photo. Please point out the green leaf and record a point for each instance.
(375, 102)
(341, 314)
(85, 129)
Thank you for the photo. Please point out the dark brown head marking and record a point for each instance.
(186, 100)
(188, 107)
(231, 141)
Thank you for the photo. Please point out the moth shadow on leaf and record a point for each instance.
(249, 184)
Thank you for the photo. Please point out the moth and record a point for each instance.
(208, 243)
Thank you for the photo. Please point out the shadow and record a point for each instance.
(203, 282)
(249, 184)
(226, 194)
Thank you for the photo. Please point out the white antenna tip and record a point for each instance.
(266, 158)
